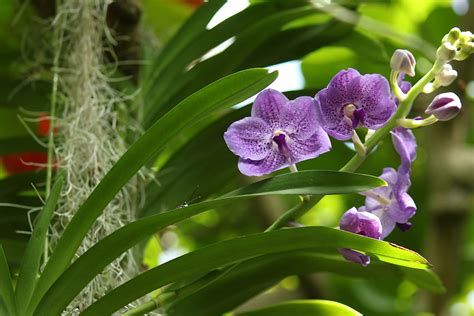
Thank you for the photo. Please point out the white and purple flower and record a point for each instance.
(352, 100)
(279, 133)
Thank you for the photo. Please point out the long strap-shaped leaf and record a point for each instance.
(193, 27)
(251, 277)
(304, 308)
(32, 258)
(220, 94)
(225, 63)
(234, 250)
(7, 297)
(93, 261)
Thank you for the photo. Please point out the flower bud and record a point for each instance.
(403, 61)
(444, 106)
(446, 52)
(446, 76)
(466, 50)
(452, 36)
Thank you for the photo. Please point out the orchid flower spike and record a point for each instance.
(278, 134)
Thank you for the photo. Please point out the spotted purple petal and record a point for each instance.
(315, 145)
(298, 118)
(372, 94)
(270, 106)
(274, 161)
(249, 138)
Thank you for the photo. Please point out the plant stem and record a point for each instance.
(52, 123)
(356, 161)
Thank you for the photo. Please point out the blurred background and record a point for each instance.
(443, 173)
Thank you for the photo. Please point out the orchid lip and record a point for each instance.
(279, 138)
(353, 115)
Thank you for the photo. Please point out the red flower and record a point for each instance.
(24, 162)
(29, 161)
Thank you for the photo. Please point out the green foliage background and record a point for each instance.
(196, 165)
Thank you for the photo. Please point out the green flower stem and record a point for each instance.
(357, 160)
(410, 123)
(52, 122)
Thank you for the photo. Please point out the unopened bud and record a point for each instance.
(466, 50)
(452, 36)
(403, 61)
(446, 52)
(446, 76)
(444, 106)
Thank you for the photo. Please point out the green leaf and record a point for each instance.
(425, 279)
(217, 294)
(32, 258)
(307, 182)
(235, 250)
(71, 282)
(218, 95)
(221, 64)
(304, 308)
(7, 298)
(186, 35)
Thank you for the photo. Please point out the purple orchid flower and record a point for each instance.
(392, 204)
(279, 133)
(352, 100)
(362, 223)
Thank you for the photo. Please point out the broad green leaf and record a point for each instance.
(32, 258)
(7, 297)
(224, 63)
(234, 250)
(304, 308)
(218, 95)
(219, 293)
(425, 279)
(71, 282)
(169, 65)
(235, 26)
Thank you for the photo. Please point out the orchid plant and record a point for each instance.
(183, 86)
